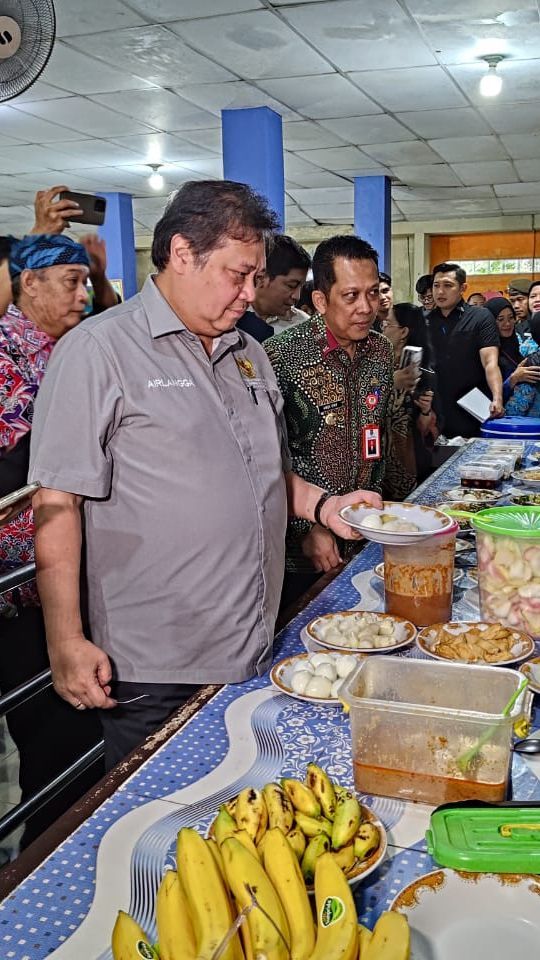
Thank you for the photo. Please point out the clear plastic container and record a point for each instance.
(411, 721)
(505, 461)
(418, 578)
(508, 549)
(481, 475)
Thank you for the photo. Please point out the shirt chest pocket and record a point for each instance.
(268, 431)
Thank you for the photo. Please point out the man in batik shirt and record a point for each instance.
(48, 275)
(336, 376)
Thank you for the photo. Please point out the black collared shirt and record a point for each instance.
(456, 341)
(254, 325)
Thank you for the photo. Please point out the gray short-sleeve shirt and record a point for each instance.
(180, 459)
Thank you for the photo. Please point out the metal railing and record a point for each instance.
(15, 698)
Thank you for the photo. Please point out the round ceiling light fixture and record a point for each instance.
(491, 83)
(155, 180)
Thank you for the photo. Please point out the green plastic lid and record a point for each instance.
(486, 839)
(509, 521)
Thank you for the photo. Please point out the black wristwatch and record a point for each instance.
(319, 505)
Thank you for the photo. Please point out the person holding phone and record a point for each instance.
(411, 423)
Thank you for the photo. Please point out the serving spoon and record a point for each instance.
(530, 745)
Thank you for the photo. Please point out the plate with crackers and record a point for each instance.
(467, 641)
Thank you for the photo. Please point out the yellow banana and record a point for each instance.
(245, 874)
(175, 931)
(364, 938)
(346, 822)
(315, 848)
(342, 793)
(246, 841)
(302, 798)
(250, 813)
(213, 847)
(337, 923)
(282, 867)
(320, 783)
(224, 825)
(297, 841)
(366, 840)
(280, 808)
(390, 940)
(345, 857)
(207, 898)
(313, 826)
(129, 941)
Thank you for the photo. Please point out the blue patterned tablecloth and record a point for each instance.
(247, 734)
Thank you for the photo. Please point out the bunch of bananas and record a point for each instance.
(196, 903)
(317, 816)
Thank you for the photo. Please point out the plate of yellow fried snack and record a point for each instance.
(465, 641)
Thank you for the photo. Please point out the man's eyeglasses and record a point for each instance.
(241, 918)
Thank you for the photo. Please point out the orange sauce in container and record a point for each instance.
(423, 787)
(418, 579)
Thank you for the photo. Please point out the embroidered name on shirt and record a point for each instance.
(161, 384)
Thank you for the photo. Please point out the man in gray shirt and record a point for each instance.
(165, 424)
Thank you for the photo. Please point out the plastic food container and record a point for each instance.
(512, 428)
(481, 475)
(504, 460)
(508, 548)
(418, 579)
(412, 719)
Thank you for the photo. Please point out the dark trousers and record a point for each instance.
(48, 732)
(295, 585)
(126, 726)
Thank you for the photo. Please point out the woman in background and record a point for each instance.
(515, 370)
(411, 421)
(525, 400)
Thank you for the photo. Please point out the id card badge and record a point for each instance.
(371, 442)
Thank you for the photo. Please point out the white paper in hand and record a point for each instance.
(476, 403)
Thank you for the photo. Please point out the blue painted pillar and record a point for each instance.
(253, 153)
(117, 232)
(373, 216)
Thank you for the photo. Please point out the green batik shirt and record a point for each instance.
(329, 398)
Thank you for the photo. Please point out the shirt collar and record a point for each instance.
(328, 342)
(162, 320)
(22, 329)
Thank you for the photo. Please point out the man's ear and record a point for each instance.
(181, 255)
(29, 281)
(319, 301)
(463, 289)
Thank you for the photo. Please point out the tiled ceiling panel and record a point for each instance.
(335, 158)
(436, 174)
(159, 11)
(461, 31)
(408, 151)
(89, 119)
(456, 149)
(428, 88)
(517, 189)
(159, 109)
(73, 72)
(258, 44)
(363, 130)
(491, 171)
(430, 124)
(360, 35)
(76, 17)
(157, 147)
(158, 55)
(522, 146)
(320, 97)
(237, 94)
(305, 135)
(511, 118)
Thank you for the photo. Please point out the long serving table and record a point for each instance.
(245, 734)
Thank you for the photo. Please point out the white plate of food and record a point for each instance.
(469, 641)
(356, 631)
(530, 477)
(471, 495)
(313, 677)
(378, 570)
(531, 670)
(396, 523)
(525, 499)
(464, 506)
(473, 916)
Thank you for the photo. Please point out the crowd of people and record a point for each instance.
(195, 445)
